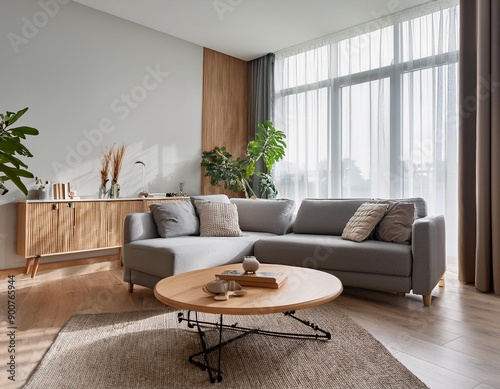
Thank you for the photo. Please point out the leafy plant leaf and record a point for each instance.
(25, 130)
(11, 146)
(236, 174)
(13, 117)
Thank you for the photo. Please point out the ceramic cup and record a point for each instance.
(216, 286)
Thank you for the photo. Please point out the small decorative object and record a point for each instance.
(250, 264)
(104, 172)
(145, 192)
(216, 287)
(114, 191)
(102, 192)
(224, 289)
(181, 190)
(116, 160)
(72, 193)
(33, 191)
(62, 191)
(44, 191)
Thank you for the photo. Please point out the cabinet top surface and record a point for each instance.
(94, 199)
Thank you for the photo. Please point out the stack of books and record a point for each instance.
(263, 279)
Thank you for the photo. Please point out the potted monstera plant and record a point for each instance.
(237, 174)
(12, 149)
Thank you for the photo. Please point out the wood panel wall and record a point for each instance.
(225, 108)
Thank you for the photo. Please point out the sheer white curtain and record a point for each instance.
(372, 112)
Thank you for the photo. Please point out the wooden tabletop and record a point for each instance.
(304, 288)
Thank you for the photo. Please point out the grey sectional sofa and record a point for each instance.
(312, 238)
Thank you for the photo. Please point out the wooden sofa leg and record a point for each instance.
(427, 300)
(400, 294)
(441, 282)
(130, 287)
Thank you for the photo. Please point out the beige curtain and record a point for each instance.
(479, 144)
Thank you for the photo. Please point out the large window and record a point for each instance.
(372, 112)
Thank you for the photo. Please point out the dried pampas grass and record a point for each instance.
(105, 164)
(117, 160)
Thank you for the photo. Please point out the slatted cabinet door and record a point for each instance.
(37, 229)
(88, 224)
(65, 226)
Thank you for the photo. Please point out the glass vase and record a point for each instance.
(102, 194)
(114, 191)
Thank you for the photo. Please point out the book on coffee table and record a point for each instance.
(261, 278)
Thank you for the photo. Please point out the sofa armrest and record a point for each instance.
(429, 253)
(138, 226)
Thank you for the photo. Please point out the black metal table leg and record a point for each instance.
(219, 376)
(319, 334)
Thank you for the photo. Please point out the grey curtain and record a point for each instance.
(479, 145)
(260, 92)
(260, 99)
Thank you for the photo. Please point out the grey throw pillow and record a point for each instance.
(176, 218)
(397, 223)
(218, 219)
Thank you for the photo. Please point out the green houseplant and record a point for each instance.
(11, 148)
(237, 174)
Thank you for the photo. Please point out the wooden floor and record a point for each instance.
(455, 343)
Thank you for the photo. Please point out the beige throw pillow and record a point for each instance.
(364, 220)
(396, 225)
(218, 219)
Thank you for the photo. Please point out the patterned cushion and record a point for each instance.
(218, 219)
(364, 220)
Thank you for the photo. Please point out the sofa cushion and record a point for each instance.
(165, 257)
(176, 218)
(397, 223)
(332, 253)
(218, 219)
(325, 216)
(363, 222)
(275, 216)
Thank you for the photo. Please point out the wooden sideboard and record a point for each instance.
(54, 227)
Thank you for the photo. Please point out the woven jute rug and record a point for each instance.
(150, 349)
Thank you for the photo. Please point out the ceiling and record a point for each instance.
(248, 29)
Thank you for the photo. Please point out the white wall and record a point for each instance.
(92, 80)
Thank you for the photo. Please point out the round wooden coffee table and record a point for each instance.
(304, 288)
